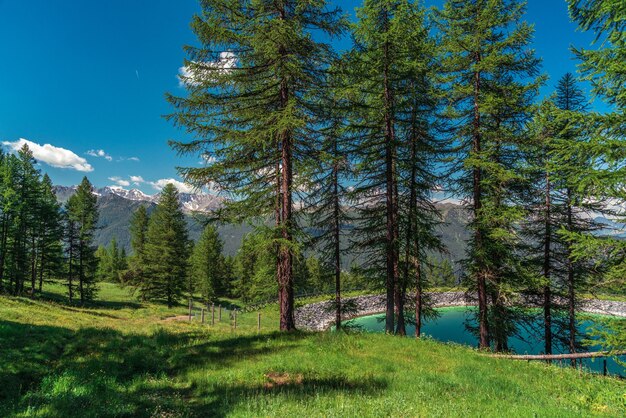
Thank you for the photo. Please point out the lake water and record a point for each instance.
(450, 327)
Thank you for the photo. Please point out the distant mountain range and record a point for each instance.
(190, 202)
(116, 206)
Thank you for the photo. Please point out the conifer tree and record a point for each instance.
(26, 188)
(492, 82)
(207, 264)
(50, 234)
(250, 107)
(166, 251)
(328, 197)
(82, 219)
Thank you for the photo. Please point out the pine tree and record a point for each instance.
(492, 83)
(259, 64)
(207, 264)
(166, 251)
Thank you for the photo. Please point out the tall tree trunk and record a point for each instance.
(390, 196)
(478, 233)
(336, 243)
(284, 260)
(419, 297)
(81, 273)
(409, 239)
(3, 248)
(70, 264)
(571, 283)
(547, 262)
(33, 267)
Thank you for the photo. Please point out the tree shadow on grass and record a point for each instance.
(103, 372)
(219, 401)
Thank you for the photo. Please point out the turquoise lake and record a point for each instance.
(450, 327)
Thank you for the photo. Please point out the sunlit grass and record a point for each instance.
(122, 358)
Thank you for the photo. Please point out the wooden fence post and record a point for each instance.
(203, 315)
(235, 314)
(190, 308)
(259, 323)
(604, 368)
(220, 313)
(213, 314)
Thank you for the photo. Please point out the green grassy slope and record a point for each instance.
(123, 359)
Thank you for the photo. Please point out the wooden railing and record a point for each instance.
(572, 357)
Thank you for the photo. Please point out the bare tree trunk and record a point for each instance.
(81, 273)
(547, 294)
(391, 207)
(418, 297)
(3, 248)
(33, 268)
(337, 248)
(571, 284)
(478, 235)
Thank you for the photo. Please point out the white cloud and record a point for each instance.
(99, 153)
(133, 159)
(182, 187)
(192, 75)
(51, 155)
(119, 181)
(137, 180)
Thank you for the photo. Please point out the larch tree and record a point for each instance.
(167, 249)
(492, 82)
(603, 179)
(250, 111)
(384, 77)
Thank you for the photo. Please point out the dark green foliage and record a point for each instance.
(112, 262)
(166, 251)
(30, 226)
(439, 272)
(259, 64)
(254, 270)
(207, 266)
(81, 220)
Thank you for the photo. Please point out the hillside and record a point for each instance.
(123, 358)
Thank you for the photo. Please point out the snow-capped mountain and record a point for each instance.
(134, 194)
(190, 202)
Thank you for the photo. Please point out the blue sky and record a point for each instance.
(88, 78)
